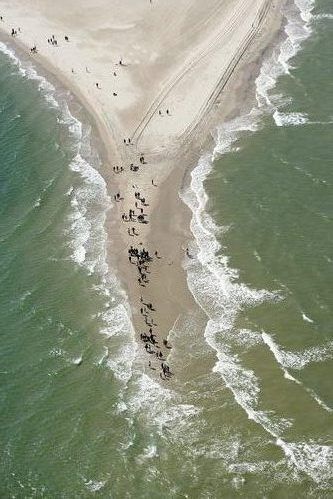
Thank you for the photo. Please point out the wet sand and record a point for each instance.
(196, 60)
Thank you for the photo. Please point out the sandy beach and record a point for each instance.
(156, 78)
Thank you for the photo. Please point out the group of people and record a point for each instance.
(161, 113)
(33, 50)
(141, 258)
(117, 169)
(53, 41)
(15, 31)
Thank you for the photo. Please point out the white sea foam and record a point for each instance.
(245, 386)
(319, 401)
(121, 353)
(259, 467)
(92, 193)
(238, 482)
(306, 318)
(148, 453)
(310, 458)
(12, 56)
(94, 485)
(100, 361)
(77, 360)
(24, 296)
(117, 325)
(298, 360)
(89, 202)
(117, 318)
(322, 16)
(73, 124)
(257, 256)
(161, 406)
(121, 361)
(246, 338)
(56, 352)
(295, 119)
(297, 30)
(28, 71)
(290, 119)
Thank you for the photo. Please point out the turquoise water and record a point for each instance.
(249, 413)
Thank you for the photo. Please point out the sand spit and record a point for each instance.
(155, 77)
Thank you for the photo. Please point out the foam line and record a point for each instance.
(298, 360)
(28, 71)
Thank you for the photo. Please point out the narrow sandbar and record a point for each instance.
(161, 74)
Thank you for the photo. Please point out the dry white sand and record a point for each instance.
(176, 55)
(174, 52)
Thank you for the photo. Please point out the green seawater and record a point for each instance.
(249, 412)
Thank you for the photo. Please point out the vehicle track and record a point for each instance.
(197, 58)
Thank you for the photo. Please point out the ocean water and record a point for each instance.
(250, 411)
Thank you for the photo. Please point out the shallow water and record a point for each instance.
(250, 411)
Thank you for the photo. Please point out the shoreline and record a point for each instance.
(237, 94)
